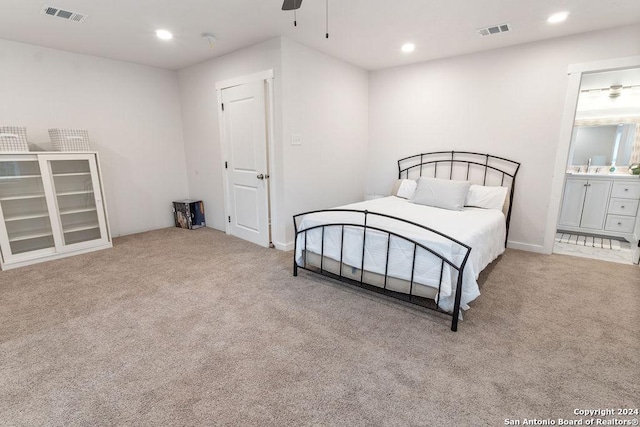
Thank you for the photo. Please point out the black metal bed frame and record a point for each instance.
(416, 164)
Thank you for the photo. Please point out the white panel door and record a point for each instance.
(245, 133)
(572, 202)
(595, 204)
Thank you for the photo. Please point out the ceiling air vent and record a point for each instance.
(494, 29)
(64, 14)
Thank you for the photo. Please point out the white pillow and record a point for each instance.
(404, 188)
(441, 193)
(480, 196)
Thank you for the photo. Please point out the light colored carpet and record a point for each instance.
(179, 327)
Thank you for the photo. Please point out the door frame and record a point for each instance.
(267, 76)
(575, 72)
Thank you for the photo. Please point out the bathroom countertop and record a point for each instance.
(602, 175)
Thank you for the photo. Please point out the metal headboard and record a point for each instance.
(478, 168)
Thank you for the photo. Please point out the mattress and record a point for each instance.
(484, 230)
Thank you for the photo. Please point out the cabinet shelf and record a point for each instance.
(81, 227)
(73, 193)
(76, 211)
(23, 197)
(18, 177)
(32, 234)
(29, 216)
(72, 174)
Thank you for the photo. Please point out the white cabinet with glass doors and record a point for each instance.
(51, 206)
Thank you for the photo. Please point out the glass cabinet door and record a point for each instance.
(76, 191)
(26, 225)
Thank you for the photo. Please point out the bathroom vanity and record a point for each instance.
(600, 204)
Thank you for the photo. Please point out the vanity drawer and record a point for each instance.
(626, 190)
(627, 207)
(621, 224)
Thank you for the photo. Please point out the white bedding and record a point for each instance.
(483, 230)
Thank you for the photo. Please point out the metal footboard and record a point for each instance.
(361, 282)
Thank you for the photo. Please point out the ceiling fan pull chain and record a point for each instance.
(327, 34)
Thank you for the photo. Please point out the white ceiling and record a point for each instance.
(366, 33)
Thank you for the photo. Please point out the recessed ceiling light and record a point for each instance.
(558, 17)
(408, 47)
(164, 34)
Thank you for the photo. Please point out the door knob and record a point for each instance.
(260, 176)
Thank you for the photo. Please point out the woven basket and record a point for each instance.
(13, 139)
(69, 139)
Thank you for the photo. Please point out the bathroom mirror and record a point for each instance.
(603, 144)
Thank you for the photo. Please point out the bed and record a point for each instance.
(421, 254)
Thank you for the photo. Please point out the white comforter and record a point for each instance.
(482, 229)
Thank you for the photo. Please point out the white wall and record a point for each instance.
(506, 102)
(200, 118)
(321, 98)
(132, 113)
(325, 101)
(354, 124)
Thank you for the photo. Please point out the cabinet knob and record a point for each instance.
(619, 223)
(626, 189)
(621, 207)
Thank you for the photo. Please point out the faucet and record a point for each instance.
(588, 165)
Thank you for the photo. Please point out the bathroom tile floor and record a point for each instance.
(593, 247)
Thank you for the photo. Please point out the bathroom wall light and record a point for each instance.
(558, 17)
(164, 34)
(615, 91)
(408, 47)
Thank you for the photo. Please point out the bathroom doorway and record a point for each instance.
(600, 194)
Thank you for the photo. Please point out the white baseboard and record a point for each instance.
(526, 247)
(283, 246)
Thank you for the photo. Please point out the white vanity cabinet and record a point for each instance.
(585, 203)
(623, 206)
(604, 205)
(51, 206)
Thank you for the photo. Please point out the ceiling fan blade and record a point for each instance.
(291, 4)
